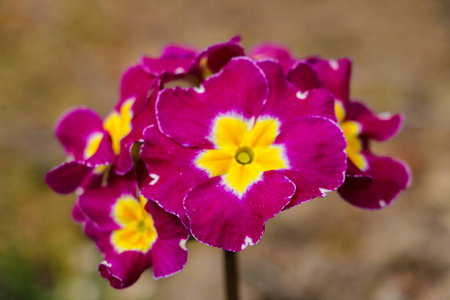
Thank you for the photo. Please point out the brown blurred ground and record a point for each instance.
(55, 54)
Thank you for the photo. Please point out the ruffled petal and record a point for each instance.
(287, 103)
(360, 177)
(273, 52)
(315, 149)
(304, 77)
(81, 133)
(66, 178)
(389, 178)
(378, 127)
(188, 116)
(122, 270)
(136, 83)
(214, 58)
(100, 237)
(77, 214)
(174, 60)
(171, 172)
(125, 158)
(221, 218)
(333, 75)
(169, 252)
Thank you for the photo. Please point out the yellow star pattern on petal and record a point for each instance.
(137, 232)
(242, 152)
(92, 145)
(351, 130)
(119, 124)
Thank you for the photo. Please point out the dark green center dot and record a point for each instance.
(141, 226)
(244, 155)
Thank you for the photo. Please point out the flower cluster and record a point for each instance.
(248, 136)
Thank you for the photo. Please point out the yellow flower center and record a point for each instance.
(119, 124)
(242, 152)
(137, 232)
(351, 130)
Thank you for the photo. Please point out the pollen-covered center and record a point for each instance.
(136, 232)
(242, 151)
(244, 155)
(351, 130)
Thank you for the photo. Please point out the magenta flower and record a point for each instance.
(214, 58)
(174, 60)
(246, 144)
(132, 233)
(92, 144)
(274, 52)
(372, 181)
(181, 62)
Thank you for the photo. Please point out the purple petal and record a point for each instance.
(217, 56)
(333, 75)
(135, 84)
(304, 77)
(74, 131)
(174, 60)
(97, 203)
(378, 127)
(125, 158)
(166, 224)
(99, 236)
(67, 177)
(220, 218)
(287, 103)
(169, 252)
(146, 118)
(77, 214)
(362, 179)
(315, 149)
(187, 115)
(122, 270)
(389, 178)
(274, 52)
(172, 172)
(169, 257)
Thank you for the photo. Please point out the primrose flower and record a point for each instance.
(132, 233)
(372, 181)
(180, 62)
(235, 151)
(92, 144)
(174, 62)
(274, 52)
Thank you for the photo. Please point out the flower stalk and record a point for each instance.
(231, 275)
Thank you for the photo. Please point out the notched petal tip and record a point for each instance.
(67, 177)
(389, 178)
(115, 281)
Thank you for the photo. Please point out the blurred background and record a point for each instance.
(55, 54)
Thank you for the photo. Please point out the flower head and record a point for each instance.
(94, 145)
(251, 136)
